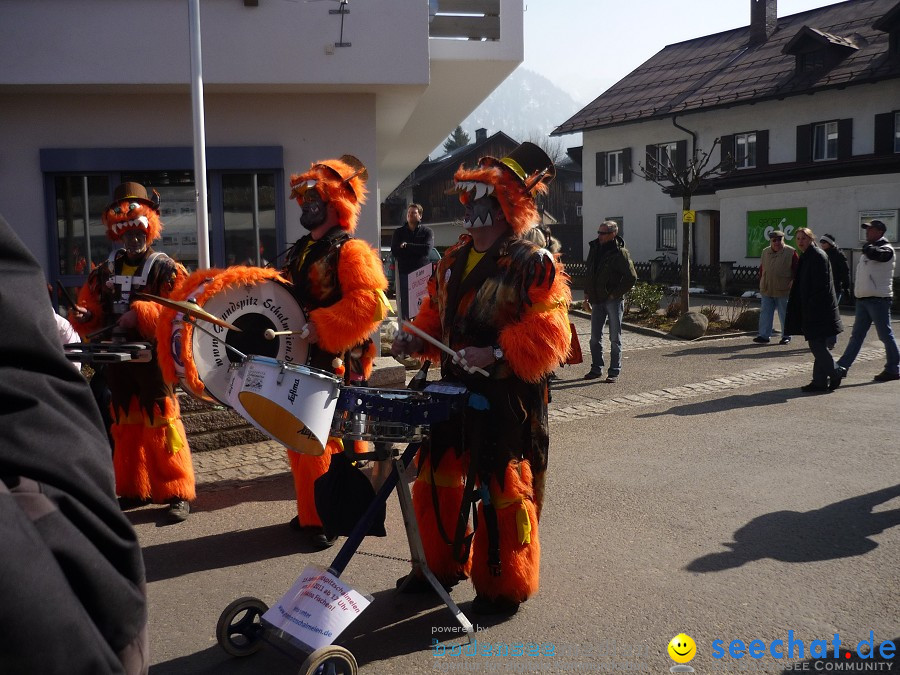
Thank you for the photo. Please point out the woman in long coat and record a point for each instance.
(812, 311)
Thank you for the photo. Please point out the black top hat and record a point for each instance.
(528, 162)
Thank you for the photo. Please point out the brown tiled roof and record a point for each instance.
(725, 70)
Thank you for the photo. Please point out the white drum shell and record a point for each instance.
(294, 404)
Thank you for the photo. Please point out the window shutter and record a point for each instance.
(650, 162)
(884, 134)
(726, 148)
(845, 138)
(804, 143)
(601, 168)
(680, 155)
(762, 149)
(626, 165)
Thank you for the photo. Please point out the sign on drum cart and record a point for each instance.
(317, 608)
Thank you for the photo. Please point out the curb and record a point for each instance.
(652, 332)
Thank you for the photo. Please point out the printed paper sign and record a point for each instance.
(417, 288)
(317, 608)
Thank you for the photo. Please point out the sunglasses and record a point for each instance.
(603, 231)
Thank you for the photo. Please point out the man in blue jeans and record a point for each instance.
(874, 294)
(610, 275)
(777, 266)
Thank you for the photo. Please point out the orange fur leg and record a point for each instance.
(306, 469)
(449, 477)
(129, 462)
(520, 562)
(146, 464)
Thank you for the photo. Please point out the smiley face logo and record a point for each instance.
(682, 648)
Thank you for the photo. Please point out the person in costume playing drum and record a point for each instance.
(501, 302)
(340, 282)
(151, 457)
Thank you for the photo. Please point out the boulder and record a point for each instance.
(690, 326)
(748, 319)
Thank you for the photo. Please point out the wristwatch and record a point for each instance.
(498, 353)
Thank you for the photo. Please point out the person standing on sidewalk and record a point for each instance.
(777, 267)
(812, 311)
(874, 294)
(610, 275)
(840, 272)
(410, 247)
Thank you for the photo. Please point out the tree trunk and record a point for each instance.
(685, 257)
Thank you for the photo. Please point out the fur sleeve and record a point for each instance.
(352, 318)
(429, 320)
(540, 340)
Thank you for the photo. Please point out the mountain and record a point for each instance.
(525, 106)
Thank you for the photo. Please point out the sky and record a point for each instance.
(586, 46)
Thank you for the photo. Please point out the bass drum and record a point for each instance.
(251, 299)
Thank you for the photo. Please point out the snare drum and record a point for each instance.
(250, 298)
(386, 415)
(292, 403)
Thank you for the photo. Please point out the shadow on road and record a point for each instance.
(229, 549)
(727, 403)
(839, 530)
(750, 350)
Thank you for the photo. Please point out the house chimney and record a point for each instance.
(763, 20)
(480, 135)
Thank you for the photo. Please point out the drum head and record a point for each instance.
(254, 309)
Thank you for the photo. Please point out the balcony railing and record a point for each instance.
(465, 19)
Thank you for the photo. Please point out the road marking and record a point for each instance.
(693, 390)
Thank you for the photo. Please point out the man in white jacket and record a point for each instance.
(874, 294)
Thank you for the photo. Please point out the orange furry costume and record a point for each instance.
(339, 282)
(152, 460)
(516, 298)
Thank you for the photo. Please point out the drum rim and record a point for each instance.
(301, 368)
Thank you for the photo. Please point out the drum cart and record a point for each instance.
(386, 417)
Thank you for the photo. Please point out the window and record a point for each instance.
(575, 186)
(745, 150)
(663, 156)
(897, 132)
(249, 211)
(666, 232)
(825, 141)
(614, 168)
(246, 221)
(578, 208)
(666, 154)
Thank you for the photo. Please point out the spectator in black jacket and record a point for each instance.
(840, 272)
(410, 247)
(71, 572)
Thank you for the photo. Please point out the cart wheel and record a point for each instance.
(239, 631)
(330, 660)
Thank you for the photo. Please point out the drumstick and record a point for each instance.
(65, 293)
(270, 334)
(440, 345)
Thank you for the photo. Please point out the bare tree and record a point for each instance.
(684, 182)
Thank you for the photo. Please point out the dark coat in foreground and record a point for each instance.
(71, 571)
(812, 305)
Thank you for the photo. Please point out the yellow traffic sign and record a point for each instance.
(688, 216)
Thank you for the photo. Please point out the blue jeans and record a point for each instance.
(612, 310)
(768, 305)
(869, 311)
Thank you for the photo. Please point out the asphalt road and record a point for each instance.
(703, 493)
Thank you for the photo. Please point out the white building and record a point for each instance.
(99, 91)
(807, 105)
